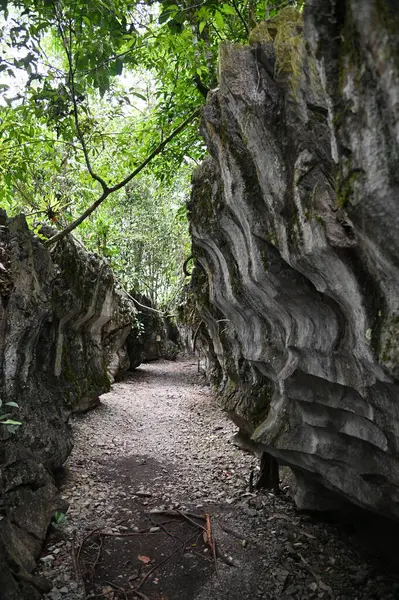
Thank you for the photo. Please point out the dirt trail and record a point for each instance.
(158, 442)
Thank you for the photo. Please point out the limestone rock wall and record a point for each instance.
(63, 332)
(158, 334)
(295, 221)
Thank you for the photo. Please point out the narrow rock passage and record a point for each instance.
(159, 442)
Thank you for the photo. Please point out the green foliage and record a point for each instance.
(11, 424)
(101, 85)
(58, 519)
(143, 233)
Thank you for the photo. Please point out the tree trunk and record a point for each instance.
(269, 475)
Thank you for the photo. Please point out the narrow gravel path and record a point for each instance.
(159, 443)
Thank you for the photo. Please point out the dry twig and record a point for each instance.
(100, 547)
(210, 540)
(177, 513)
(117, 588)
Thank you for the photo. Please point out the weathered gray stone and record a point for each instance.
(63, 328)
(294, 222)
(155, 336)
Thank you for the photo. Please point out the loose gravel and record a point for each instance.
(159, 442)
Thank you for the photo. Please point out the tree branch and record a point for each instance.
(240, 16)
(109, 190)
(68, 51)
(106, 190)
(157, 151)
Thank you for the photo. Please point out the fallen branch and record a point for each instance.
(93, 568)
(132, 534)
(117, 588)
(162, 526)
(190, 518)
(86, 537)
(103, 534)
(211, 541)
(177, 513)
(76, 560)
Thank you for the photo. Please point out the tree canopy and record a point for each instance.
(100, 101)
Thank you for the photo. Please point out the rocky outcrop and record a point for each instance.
(157, 337)
(294, 220)
(63, 336)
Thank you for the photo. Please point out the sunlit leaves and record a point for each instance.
(139, 234)
(133, 71)
(169, 12)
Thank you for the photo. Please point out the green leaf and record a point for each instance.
(141, 96)
(43, 25)
(116, 67)
(12, 404)
(168, 13)
(11, 422)
(82, 61)
(59, 517)
(227, 9)
(201, 26)
(175, 26)
(219, 20)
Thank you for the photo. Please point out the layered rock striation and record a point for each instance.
(295, 220)
(63, 332)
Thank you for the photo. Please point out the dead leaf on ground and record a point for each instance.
(144, 559)
(279, 516)
(308, 535)
(323, 586)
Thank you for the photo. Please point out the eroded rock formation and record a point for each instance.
(63, 328)
(295, 222)
(158, 337)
